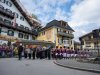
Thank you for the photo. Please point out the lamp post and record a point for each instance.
(96, 36)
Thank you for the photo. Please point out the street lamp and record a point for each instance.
(96, 36)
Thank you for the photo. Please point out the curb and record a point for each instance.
(76, 68)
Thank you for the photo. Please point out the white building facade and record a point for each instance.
(13, 24)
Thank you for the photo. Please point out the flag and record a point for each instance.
(14, 21)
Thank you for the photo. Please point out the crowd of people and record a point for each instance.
(64, 53)
(40, 52)
(6, 51)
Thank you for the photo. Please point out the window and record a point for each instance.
(22, 18)
(20, 35)
(33, 37)
(9, 11)
(58, 29)
(68, 32)
(71, 42)
(1, 7)
(16, 14)
(43, 33)
(7, 22)
(26, 36)
(10, 33)
(8, 3)
(59, 41)
(3, 1)
(88, 44)
(1, 19)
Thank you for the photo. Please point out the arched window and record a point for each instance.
(20, 35)
(10, 33)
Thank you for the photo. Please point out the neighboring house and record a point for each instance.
(15, 23)
(58, 32)
(91, 40)
(77, 45)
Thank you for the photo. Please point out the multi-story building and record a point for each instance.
(91, 40)
(15, 22)
(77, 45)
(58, 32)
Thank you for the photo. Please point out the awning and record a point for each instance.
(36, 42)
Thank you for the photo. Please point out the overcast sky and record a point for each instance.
(82, 15)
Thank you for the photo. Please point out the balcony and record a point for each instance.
(8, 24)
(65, 34)
(6, 12)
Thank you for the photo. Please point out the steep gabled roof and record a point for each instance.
(57, 24)
(85, 35)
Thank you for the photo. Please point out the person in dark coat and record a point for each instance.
(49, 52)
(33, 54)
(20, 50)
(25, 53)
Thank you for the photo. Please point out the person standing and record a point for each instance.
(33, 53)
(29, 52)
(49, 52)
(20, 50)
(25, 52)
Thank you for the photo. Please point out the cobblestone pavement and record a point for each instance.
(12, 66)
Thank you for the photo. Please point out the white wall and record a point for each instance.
(14, 9)
(18, 21)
